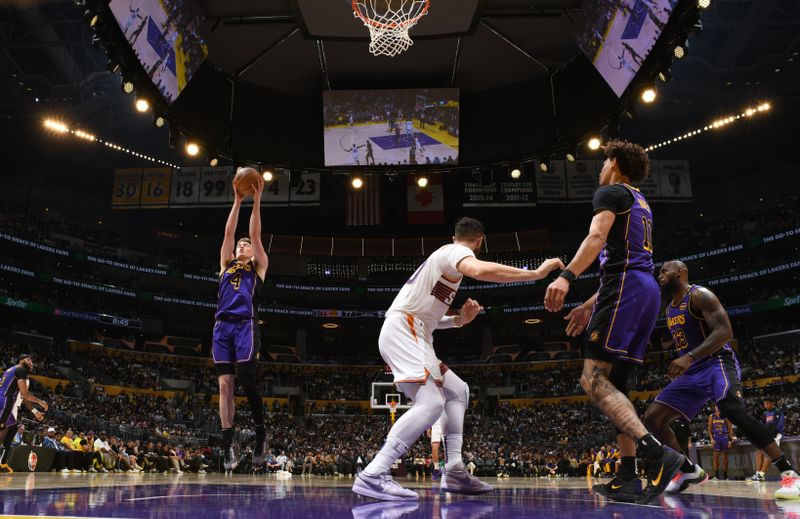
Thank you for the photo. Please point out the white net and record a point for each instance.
(388, 22)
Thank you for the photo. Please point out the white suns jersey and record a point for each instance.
(429, 292)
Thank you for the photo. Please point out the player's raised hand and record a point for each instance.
(548, 266)
(258, 190)
(469, 311)
(238, 196)
(577, 319)
(555, 295)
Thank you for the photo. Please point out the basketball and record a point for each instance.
(245, 180)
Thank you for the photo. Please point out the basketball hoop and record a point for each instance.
(388, 27)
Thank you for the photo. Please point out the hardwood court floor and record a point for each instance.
(238, 496)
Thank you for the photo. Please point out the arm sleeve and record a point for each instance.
(448, 262)
(615, 198)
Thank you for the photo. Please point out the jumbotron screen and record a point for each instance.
(619, 34)
(165, 36)
(391, 127)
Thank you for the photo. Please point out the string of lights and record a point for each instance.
(715, 125)
(62, 128)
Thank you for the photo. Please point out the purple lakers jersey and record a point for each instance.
(689, 330)
(629, 244)
(8, 382)
(239, 286)
(719, 426)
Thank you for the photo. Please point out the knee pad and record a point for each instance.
(455, 388)
(247, 374)
(734, 410)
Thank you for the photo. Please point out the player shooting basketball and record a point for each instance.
(236, 341)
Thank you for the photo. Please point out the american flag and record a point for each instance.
(364, 205)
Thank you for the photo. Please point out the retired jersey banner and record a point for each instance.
(425, 204)
(674, 178)
(551, 185)
(486, 189)
(127, 187)
(582, 178)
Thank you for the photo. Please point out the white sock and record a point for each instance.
(391, 451)
(453, 444)
(456, 393)
(427, 408)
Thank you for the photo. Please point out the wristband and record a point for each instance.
(568, 275)
(691, 354)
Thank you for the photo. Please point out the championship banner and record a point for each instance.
(582, 179)
(127, 187)
(487, 191)
(552, 184)
(425, 204)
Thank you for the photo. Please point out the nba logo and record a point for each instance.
(33, 459)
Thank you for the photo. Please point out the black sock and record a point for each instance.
(782, 464)
(256, 404)
(649, 448)
(687, 466)
(627, 468)
(227, 438)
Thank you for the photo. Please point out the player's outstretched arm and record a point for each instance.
(226, 251)
(260, 255)
(28, 396)
(587, 253)
(497, 273)
(716, 319)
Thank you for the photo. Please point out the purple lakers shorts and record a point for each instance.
(234, 342)
(721, 444)
(623, 318)
(714, 379)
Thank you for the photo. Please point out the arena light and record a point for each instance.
(213, 161)
(63, 128)
(357, 183)
(330, 326)
(422, 182)
(570, 157)
(516, 173)
(192, 149)
(594, 143)
(267, 175)
(649, 95)
(714, 125)
(679, 52)
(142, 105)
(159, 121)
(55, 126)
(532, 321)
(127, 87)
(544, 166)
(703, 4)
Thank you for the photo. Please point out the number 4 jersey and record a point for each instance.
(428, 294)
(239, 286)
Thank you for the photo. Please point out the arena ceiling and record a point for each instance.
(46, 52)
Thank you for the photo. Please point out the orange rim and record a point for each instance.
(407, 23)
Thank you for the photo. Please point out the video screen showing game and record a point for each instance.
(166, 37)
(391, 127)
(618, 35)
